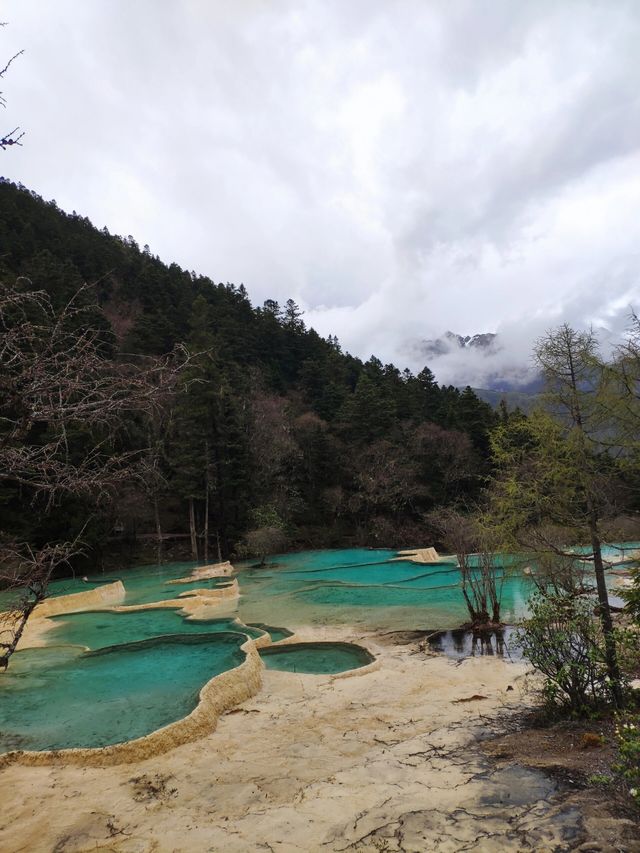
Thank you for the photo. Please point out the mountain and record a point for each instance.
(483, 362)
(276, 427)
(523, 400)
(485, 342)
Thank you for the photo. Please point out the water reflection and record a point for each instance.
(463, 643)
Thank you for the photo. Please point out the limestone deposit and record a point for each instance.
(105, 595)
(424, 555)
(215, 570)
(197, 603)
(385, 760)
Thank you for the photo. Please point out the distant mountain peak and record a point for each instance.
(484, 360)
(451, 341)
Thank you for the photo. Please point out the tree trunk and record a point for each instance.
(603, 596)
(472, 612)
(10, 647)
(156, 513)
(192, 531)
(206, 503)
(605, 615)
(206, 528)
(218, 544)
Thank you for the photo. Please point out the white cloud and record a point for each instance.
(399, 169)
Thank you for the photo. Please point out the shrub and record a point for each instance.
(628, 734)
(632, 595)
(600, 779)
(564, 643)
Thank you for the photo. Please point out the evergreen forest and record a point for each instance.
(273, 438)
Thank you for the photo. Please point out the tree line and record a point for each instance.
(271, 434)
(139, 398)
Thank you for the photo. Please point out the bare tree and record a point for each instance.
(481, 576)
(25, 574)
(274, 451)
(14, 136)
(64, 412)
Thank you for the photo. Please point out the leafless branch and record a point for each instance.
(25, 575)
(14, 57)
(65, 416)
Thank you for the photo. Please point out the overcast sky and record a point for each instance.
(398, 168)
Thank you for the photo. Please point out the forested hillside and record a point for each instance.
(273, 428)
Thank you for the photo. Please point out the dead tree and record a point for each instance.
(25, 575)
(481, 575)
(14, 136)
(64, 412)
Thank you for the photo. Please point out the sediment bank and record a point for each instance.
(384, 761)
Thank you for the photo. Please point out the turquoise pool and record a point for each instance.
(361, 587)
(61, 697)
(369, 589)
(316, 658)
(143, 584)
(108, 676)
(96, 629)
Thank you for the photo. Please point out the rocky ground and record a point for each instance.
(421, 754)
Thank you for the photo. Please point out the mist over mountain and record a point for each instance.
(451, 341)
(487, 360)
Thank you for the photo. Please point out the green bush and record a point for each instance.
(564, 643)
(628, 734)
(632, 595)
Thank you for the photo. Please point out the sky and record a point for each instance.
(399, 169)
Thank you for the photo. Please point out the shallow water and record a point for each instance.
(146, 667)
(97, 629)
(143, 584)
(61, 697)
(318, 658)
(369, 589)
(274, 632)
(461, 643)
(362, 587)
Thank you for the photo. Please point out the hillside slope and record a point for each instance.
(280, 426)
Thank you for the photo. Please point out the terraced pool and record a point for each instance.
(107, 677)
(370, 589)
(100, 628)
(317, 658)
(61, 697)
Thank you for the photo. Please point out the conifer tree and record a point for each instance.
(554, 468)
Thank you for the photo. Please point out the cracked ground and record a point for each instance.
(390, 760)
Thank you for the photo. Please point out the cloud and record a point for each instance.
(398, 169)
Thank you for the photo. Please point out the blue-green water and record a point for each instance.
(143, 584)
(367, 588)
(275, 633)
(317, 658)
(100, 628)
(146, 667)
(60, 697)
(370, 589)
